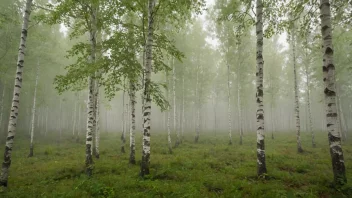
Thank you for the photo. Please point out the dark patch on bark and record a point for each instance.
(261, 158)
(338, 164)
(89, 160)
(299, 149)
(145, 164)
(260, 116)
(132, 156)
(329, 92)
(325, 27)
(329, 50)
(30, 151)
(196, 139)
(331, 115)
(10, 138)
(331, 67)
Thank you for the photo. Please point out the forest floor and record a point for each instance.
(210, 168)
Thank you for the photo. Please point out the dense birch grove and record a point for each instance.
(127, 72)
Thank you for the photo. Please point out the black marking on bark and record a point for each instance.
(329, 92)
(325, 27)
(338, 164)
(331, 67)
(331, 115)
(325, 69)
(260, 116)
(261, 158)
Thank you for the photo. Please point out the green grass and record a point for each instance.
(211, 168)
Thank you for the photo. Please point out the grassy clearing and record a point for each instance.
(211, 168)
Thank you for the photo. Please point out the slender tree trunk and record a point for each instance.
(239, 89)
(183, 108)
(336, 152)
(16, 96)
(2, 107)
(174, 102)
(308, 106)
(33, 111)
(74, 117)
(133, 122)
(197, 123)
(341, 116)
(60, 121)
(298, 124)
(79, 122)
(147, 98)
(229, 103)
(123, 136)
(46, 120)
(260, 106)
(168, 116)
(91, 93)
(97, 129)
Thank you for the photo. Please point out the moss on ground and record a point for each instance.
(210, 168)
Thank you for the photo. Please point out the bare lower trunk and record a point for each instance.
(229, 104)
(2, 108)
(298, 124)
(15, 99)
(133, 122)
(239, 109)
(338, 163)
(309, 108)
(261, 171)
(79, 123)
(147, 98)
(183, 108)
(123, 136)
(46, 120)
(198, 108)
(60, 122)
(33, 111)
(74, 119)
(97, 129)
(168, 117)
(342, 125)
(174, 103)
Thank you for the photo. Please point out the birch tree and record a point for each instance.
(33, 111)
(261, 163)
(16, 96)
(338, 164)
(298, 124)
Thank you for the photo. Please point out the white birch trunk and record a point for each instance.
(2, 106)
(33, 111)
(338, 163)
(308, 106)
(229, 103)
(174, 102)
(298, 124)
(239, 109)
(16, 96)
(183, 108)
(91, 93)
(74, 118)
(259, 95)
(123, 136)
(168, 116)
(147, 98)
(197, 122)
(133, 102)
(46, 120)
(97, 129)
